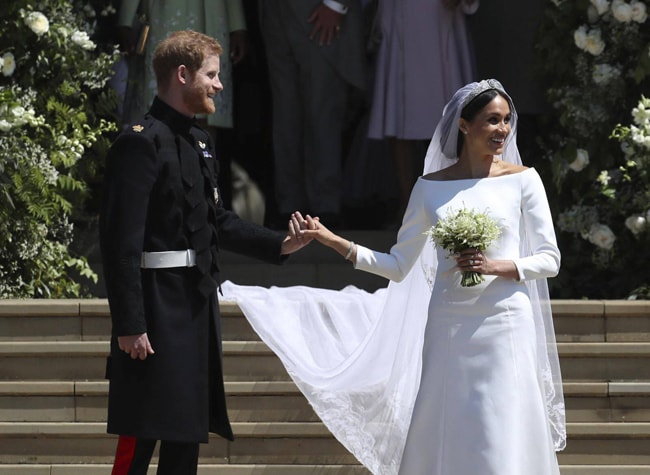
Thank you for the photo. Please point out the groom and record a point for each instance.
(162, 225)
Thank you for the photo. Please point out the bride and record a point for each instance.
(429, 377)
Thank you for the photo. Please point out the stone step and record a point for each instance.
(64, 360)
(86, 401)
(256, 443)
(89, 320)
(279, 401)
(262, 469)
(253, 360)
(290, 443)
(204, 469)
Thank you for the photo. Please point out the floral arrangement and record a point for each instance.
(465, 229)
(55, 117)
(595, 58)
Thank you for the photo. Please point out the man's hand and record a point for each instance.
(295, 240)
(137, 346)
(327, 22)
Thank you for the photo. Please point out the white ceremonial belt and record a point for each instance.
(166, 259)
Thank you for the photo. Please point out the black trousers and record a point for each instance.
(133, 455)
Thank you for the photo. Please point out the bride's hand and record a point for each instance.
(313, 228)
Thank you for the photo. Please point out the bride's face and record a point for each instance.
(486, 133)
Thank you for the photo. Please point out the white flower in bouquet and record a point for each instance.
(465, 229)
(602, 6)
(8, 64)
(581, 160)
(38, 23)
(622, 11)
(639, 12)
(636, 223)
(602, 236)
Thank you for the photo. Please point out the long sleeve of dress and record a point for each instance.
(544, 260)
(396, 264)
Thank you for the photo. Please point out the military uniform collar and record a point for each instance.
(170, 116)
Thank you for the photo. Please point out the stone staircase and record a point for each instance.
(53, 397)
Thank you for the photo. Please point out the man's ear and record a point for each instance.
(182, 74)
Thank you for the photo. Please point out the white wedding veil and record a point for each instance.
(356, 356)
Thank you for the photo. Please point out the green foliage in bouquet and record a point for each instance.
(465, 229)
(55, 114)
(595, 58)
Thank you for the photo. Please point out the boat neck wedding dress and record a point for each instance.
(455, 390)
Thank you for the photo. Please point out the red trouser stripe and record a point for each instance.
(124, 455)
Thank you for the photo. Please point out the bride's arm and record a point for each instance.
(544, 260)
(393, 265)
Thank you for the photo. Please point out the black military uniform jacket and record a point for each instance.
(161, 195)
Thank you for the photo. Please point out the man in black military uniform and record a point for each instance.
(162, 225)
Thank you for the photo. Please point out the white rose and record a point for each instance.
(622, 11)
(8, 64)
(602, 236)
(5, 126)
(635, 223)
(594, 45)
(38, 23)
(602, 6)
(81, 38)
(18, 111)
(580, 37)
(581, 160)
(639, 13)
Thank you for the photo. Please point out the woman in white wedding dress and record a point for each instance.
(429, 377)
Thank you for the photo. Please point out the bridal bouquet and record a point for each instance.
(465, 229)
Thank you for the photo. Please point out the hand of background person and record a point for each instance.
(137, 346)
(295, 240)
(327, 24)
(238, 45)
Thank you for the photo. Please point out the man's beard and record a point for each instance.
(198, 101)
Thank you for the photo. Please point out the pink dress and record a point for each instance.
(423, 58)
